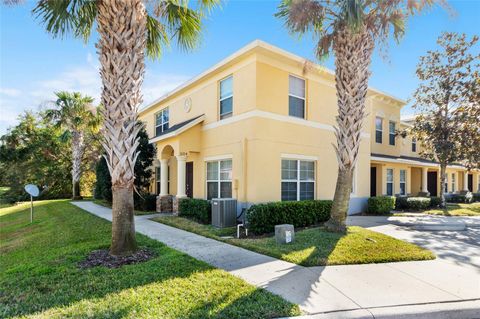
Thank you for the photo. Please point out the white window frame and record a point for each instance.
(454, 180)
(379, 130)
(414, 145)
(162, 123)
(220, 99)
(298, 97)
(218, 180)
(298, 180)
(390, 182)
(404, 182)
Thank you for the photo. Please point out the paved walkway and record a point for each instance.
(371, 289)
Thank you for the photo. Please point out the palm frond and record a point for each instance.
(302, 16)
(157, 38)
(67, 16)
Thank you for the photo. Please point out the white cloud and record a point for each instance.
(83, 78)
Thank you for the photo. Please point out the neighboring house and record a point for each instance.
(258, 127)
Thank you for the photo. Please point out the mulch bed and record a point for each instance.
(103, 258)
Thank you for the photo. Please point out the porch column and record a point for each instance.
(465, 181)
(181, 168)
(163, 177)
(424, 179)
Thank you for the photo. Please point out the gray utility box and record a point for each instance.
(224, 212)
(284, 234)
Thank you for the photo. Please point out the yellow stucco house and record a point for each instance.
(258, 127)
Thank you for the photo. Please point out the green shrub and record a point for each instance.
(199, 210)
(460, 198)
(401, 203)
(380, 205)
(147, 202)
(418, 203)
(435, 201)
(476, 197)
(262, 218)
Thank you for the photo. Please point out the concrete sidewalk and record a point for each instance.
(320, 290)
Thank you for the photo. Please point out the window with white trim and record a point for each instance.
(162, 119)
(390, 181)
(391, 133)
(403, 182)
(378, 129)
(453, 182)
(226, 97)
(414, 144)
(298, 180)
(219, 179)
(296, 97)
(446, 184)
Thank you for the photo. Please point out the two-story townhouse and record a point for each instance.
(258, 127)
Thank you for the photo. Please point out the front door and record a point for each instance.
(189, 179)
(373, 181)
(432, 183)
(470, 182)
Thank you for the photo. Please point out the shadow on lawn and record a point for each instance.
(39, 270)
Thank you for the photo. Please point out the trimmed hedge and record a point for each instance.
(199, 210)
(460, 198)
(435, 201)
(416, 203)
(476, 197)
(380, 205)
(262, 218)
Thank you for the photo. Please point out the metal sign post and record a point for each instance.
(33, 191)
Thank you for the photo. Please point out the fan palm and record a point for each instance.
(351, 29)
(128, 30)
(74, 114)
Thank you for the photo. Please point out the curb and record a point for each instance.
(469, 309)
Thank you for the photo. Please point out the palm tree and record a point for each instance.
(351, 29)
(128, 29)
(74, 114)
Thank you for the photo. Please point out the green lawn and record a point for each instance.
(315, 246)
(459, 209)
(39, 275)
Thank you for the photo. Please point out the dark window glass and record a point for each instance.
(212, 190)
(402, 189)
(389, 189)
(414, 145)
(296, 107)
(391, 133)
(226, 107)
(306, 190)
(289, 191)
(378, 137)
(225, 189)
(378, 130)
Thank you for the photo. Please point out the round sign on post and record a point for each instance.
(33, 191)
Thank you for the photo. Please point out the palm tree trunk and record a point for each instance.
(77, 154)
(443, 169)
(353, 51)
(122, 30)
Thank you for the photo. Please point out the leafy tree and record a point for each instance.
(127, 30)
(32, 152)
(448, 102)
(351, 29)
(143, 171)
(73, 114)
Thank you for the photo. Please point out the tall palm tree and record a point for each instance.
(128, 29)
(73, 113)
(351, 29)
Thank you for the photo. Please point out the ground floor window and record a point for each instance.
(453, 182)
(403, 182)
(298, 180)
(389, 181)
(446, 184)
(219, 179)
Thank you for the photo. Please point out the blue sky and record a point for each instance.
(33, 65)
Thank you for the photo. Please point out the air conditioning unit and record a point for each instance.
(224, 212)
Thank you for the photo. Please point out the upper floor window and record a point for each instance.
(298, 180)
(391, 133)
(453, 182)
(161, 121)
(219, 179)
(390, 181)
(378, 129)
(226, 97)
(296, 97)
(403, 182)
(414, 144)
